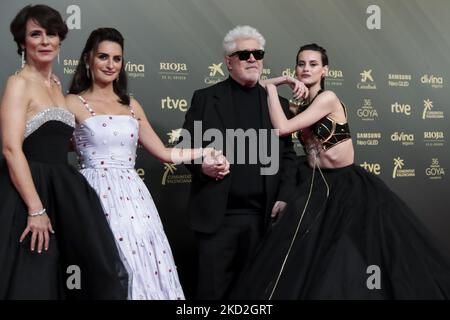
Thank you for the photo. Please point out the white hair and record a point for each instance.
(241, 32)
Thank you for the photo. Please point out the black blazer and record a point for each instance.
(208, 198)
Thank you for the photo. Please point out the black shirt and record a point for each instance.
(247, 193)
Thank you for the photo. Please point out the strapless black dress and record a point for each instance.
(82, 261)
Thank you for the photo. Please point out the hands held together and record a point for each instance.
(215, 164)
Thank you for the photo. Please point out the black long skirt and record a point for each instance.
(82, 261)
(360, 242)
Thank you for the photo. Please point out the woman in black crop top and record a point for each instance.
(345, 235)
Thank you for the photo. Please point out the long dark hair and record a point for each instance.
(323, 54)
(81, 81)
(47, 17)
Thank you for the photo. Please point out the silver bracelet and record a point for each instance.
(37, 213)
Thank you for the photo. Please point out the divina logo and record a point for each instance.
(288, 72)
(432, 80)
(135, 70)
(406, 139)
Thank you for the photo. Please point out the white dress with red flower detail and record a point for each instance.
(106, 147)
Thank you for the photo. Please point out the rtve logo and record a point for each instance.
(401, 108)
(174, 104)
(375, 168)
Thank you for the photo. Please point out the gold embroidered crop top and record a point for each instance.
(328, 131)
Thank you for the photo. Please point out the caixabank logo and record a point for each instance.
(215, 73)
(435, 171)
(367, 82)
(399, 170)
(368, 138)
(173, 70)
(367, 111)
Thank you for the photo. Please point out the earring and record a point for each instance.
(117, 79)
(87, 71)
(23, 58)
(58, 57)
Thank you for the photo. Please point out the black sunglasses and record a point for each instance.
(245, 54)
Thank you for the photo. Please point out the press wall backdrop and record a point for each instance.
(389, 63)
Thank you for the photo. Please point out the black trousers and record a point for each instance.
(223, 254)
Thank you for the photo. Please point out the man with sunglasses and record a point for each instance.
(229, 213)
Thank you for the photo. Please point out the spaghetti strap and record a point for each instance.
(131, 111)
(86, 105)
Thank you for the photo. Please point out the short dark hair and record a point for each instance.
(80, 80)
(323, 54)
(47, 17)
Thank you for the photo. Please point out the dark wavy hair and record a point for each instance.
(47, 17)
(80, 80)
(323, 54)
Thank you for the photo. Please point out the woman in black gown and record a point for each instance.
(346, 235)
(66, 249)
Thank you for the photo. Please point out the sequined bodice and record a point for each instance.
(49, 114)
(47, 135)
(107, 141)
